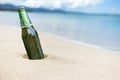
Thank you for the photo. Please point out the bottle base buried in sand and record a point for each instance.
(32, 43)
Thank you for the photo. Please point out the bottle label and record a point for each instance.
(24, 19)
(26, 26)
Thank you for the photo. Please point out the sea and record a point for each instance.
(101, 31)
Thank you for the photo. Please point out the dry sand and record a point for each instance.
(65, 60)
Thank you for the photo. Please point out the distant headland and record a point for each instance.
(10, 7)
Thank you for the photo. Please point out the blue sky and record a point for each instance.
(107, 6)
(90, 6)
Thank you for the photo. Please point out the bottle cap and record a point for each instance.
(22, 8)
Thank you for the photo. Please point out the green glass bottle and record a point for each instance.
(30, 36)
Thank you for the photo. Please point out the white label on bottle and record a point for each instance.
(26, 26)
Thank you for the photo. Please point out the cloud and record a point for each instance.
(70, 4)
(15, 2)
(61, 3)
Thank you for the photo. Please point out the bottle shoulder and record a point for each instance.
(28, 31)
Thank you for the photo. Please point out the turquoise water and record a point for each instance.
(102, 31)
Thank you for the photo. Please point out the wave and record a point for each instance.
(108, 49)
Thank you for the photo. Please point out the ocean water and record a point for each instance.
(98, 30)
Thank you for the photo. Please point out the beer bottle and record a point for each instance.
(30, 36)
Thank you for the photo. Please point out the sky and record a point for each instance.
(89, 6)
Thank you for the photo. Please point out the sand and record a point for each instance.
(64, 60)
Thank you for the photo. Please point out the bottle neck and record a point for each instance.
(24, 18)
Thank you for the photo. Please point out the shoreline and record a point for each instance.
(114, 50)
(73, 41)
(65, 60)
(84, 44)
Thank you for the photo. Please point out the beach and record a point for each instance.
(64, 60)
